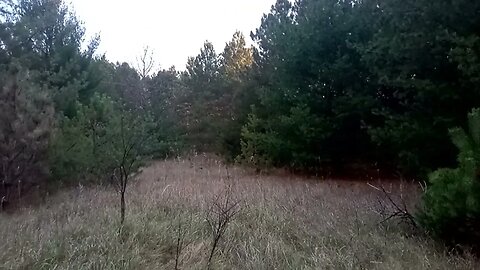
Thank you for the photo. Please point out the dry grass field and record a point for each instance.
(281, 222)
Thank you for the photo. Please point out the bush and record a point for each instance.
(88, 146)
(451, 204)
(289, 140)
(77, 150)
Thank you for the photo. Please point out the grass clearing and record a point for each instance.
(285, 222)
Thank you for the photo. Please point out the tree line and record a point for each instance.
(327, 84)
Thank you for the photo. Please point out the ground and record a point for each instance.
(282, 221)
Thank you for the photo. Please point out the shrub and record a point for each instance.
(78, 148)
(289, 140)
(451, 204)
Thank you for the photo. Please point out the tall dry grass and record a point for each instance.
(285, 222)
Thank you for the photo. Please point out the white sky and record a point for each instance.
(174, 29)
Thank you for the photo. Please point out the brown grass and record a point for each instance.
(285, 222)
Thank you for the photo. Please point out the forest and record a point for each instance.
(385, 94)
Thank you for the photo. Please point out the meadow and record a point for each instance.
(278, 221)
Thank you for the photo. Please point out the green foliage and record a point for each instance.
(90, 145)
(417, 60)
(386, 80)
(26, 120)
(287, 140)
(80, 146)
(45, 37)
(237, 58)
(238, 94)
(215, 104)
(452, 201)
(306, 59)
(332, 83)
(204, 69)
(166, 92)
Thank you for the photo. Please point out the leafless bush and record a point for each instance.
(181, 232)
(222, 211)
(393, 207)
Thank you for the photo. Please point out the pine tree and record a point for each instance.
(25, 124)
(451, 207)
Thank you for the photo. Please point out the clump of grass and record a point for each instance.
(285, 222)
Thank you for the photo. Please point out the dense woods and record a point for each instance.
(328, 86)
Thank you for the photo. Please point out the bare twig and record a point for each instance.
(181, 244)
(145, 63)
(221, 213)
(398, 209)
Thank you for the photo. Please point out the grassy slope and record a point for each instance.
(284, 223)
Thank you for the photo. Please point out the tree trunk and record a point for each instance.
(122, 206)
(19, 190)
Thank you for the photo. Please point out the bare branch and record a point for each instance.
(398, 209)
(221, 213)
(145, 63)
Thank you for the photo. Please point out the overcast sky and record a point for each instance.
(174, 29)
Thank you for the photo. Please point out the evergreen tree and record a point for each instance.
(204, 87)
(413, 57)
(451, 207)
(46, 38)
(25, 125)
(237, 58)
(238, 95)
